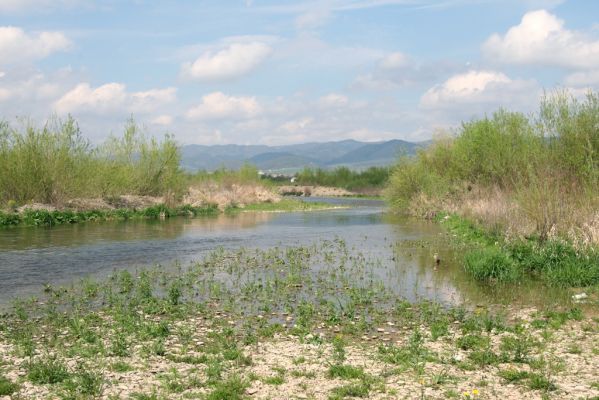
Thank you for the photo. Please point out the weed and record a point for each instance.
(7, 387)
(49, 370)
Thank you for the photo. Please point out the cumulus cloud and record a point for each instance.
(217, 105)
(542, 39)
(111, 97)
(233, 61)
(18, 46)
(479, 88)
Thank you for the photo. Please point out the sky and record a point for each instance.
(282, 72)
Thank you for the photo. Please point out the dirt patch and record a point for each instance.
(211, 193)
(317, 191)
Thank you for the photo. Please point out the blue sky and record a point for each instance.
(278, 72)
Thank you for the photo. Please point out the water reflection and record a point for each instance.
(403, 248)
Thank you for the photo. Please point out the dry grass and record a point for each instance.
(229, 195)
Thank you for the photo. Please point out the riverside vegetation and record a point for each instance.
(369, 181)
(52, 175)
(303, 322)
(524, 190)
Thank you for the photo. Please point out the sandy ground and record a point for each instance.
(302, 367)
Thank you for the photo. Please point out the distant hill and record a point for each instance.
(350, 153)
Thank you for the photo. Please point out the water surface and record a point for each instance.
(31, 257)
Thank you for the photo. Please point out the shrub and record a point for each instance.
(55, 163)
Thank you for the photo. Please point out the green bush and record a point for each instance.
(491, 264)
(54, 163)
(371, 178)
(556, 150)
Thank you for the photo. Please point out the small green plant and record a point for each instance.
(345, 372)
(7, 387)
(232, 389)
(47, 371)
(541, 382)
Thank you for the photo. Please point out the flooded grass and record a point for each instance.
(313, 321)
(494, 259)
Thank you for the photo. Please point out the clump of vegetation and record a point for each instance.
(529, 182)
(247, 174)
(373, 178)
(51, 218)
(7, 387)
(55, 163)
(491, 264)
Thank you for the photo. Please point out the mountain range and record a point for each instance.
(290, 158)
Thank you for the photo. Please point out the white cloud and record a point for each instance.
(585, 78)
(313, 18)
(479, 88)
(396, 70)
(149, 100)
(217, 105)
(297, 125)
(233, 61)
(541, 39)
(17, 46)
(5, 94)
(10, 6)
(333, 100)
(394, 60)
(162, 120)
(112, 97)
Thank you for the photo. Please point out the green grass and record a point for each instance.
(491, 264)
(52, 218)
(7, 387)
(287, 205)
(47, 371)
(495, 260)
(231, 389)
(345, 372)
(361, 390)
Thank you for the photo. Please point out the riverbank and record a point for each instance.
(493, 258)
(146, 207)
(325, 191)
(309, 322)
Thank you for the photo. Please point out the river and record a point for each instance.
(32, 257)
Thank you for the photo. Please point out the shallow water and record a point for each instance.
(32, 257)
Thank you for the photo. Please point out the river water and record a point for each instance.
(32, 257)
